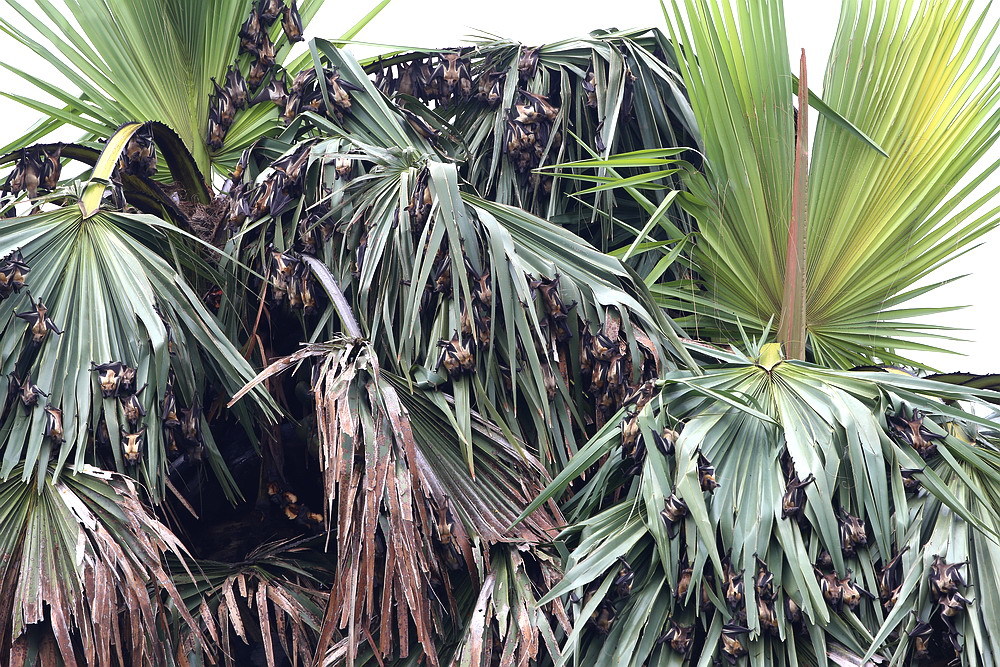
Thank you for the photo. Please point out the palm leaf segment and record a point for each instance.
(878, 222)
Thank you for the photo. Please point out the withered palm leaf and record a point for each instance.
(406, 511)
(79, 550)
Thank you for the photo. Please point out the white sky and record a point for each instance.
(436, 24)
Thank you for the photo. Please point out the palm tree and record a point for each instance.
(484, 430)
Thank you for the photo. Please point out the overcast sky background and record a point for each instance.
(810, 24)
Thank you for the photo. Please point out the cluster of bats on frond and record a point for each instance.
(36, 171)
(936, 636)
(305, 93)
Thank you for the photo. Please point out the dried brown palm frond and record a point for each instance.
(407, 511)
(83, 575)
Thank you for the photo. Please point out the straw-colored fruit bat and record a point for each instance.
(27, 391)
(732, 647)
(852, 533)
(132, 445)
(291, 22)
(41, 323)
(53, 424)
(527, 63)
(132, 407)
(270, 10)
(680, 637)
(794, 499)
(674, 511)
(109, 375)
(914, 433)
(945, 578)
(706, 474)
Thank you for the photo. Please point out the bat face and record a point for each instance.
(680, 637)
(53, 424)
(132, 444)
(527, 64)
(169, 410)
(764, 582)
(41, 323)
(109, 375)
(913, 432)
(27, 391)
(456, 356)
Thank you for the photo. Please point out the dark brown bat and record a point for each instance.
(674, 511)
(27, 391)
(236, 86)
(913, 432)
(794, 499)
(270, 10)
(945, 578)
(732, 647)
(132, 407)
(291, 22)
(680, 637)
(764, 581)
(53, 424)
(527, 64)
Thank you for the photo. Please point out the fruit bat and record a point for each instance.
(674, 511)
(133, 407)
(456, 356)
(527, 63)
(291, 22)
(51, 168)
(13, 271)
(41, 323)
(270, 10)
(236, 86)
(250, 33)
(851, 593)
(706, 474)
(732, 647)
(852, 533)
(764, 581)
(169, 409)
(53, 424)
(794, 499)
(26, 391)
(275, 91)
(109, 375)
(914, 433)
(945, 578)
(890, 578)
(258, 70)
(665, 440)
(132, 444)
(680, 637)
(622, 583)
